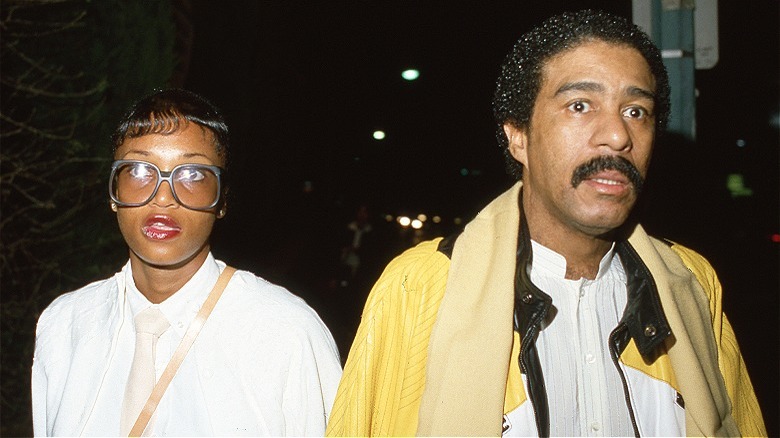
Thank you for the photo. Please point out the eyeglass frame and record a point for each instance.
(165, 176)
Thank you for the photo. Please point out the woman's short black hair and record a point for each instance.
(165, 111)
(521, 72)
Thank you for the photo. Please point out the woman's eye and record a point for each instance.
(189, 174)
(579, 106)
(141, 171)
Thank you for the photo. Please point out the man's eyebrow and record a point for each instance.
(637, 91)
(579, 86)
(596, 87)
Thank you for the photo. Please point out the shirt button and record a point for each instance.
(590, 358)
(181, 325)
(595, 425)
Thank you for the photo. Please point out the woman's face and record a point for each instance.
(163, 233)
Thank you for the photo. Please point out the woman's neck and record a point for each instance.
(158, 283)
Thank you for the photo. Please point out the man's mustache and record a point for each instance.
(608, 162)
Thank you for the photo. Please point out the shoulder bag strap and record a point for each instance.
(181, 352)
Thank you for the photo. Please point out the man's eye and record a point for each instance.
(579, 107)
(635, 112)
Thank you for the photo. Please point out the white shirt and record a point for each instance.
(263, 364)
(584, 390)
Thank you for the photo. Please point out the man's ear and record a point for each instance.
(518, 142)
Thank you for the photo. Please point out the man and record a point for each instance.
(262, 361)
(552, 313)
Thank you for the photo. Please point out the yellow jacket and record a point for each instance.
(430, 322)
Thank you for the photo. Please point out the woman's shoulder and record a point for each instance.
(96, 294)
(253, 295)
(77, 314)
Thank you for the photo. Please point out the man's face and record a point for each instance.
(163, 233)
(595, 103)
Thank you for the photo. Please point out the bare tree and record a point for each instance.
(68, 69)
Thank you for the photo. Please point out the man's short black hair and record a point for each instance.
(521, 72)
(165, 111)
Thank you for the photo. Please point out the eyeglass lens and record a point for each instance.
(194, 186)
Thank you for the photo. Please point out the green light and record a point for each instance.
(410, 74)
(735, 182)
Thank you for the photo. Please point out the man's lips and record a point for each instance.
(160, 227)
(608, 182)
(609, 178)
(609, 175)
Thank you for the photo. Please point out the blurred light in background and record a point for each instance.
(417, 224)
(404, 221)
(735, 182)
(379, 135)
(410, 74)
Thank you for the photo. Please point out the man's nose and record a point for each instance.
(613, 132)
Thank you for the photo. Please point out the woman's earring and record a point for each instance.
(114, 207)
(221, 213)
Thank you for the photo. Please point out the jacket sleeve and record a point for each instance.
(313, 375)
(39, 394)
(384, 375)
(744, 404)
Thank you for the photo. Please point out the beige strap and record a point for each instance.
(181, 352)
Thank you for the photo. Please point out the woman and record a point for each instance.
(263, 363)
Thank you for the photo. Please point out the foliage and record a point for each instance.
(69, 69)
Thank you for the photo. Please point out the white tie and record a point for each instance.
(149, 325)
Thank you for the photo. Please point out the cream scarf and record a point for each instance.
(468, 356)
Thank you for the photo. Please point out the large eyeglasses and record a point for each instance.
(134, 183)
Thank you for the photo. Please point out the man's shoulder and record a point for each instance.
(693, 260)
(426, 259)
(416, 277)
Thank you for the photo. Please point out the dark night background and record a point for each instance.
(304, 85)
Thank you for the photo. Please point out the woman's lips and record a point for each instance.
(161, 228)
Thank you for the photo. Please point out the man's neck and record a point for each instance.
(583, 253)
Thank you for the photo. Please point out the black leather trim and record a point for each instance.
(447, 245)
(644, 315)
(531, 306)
